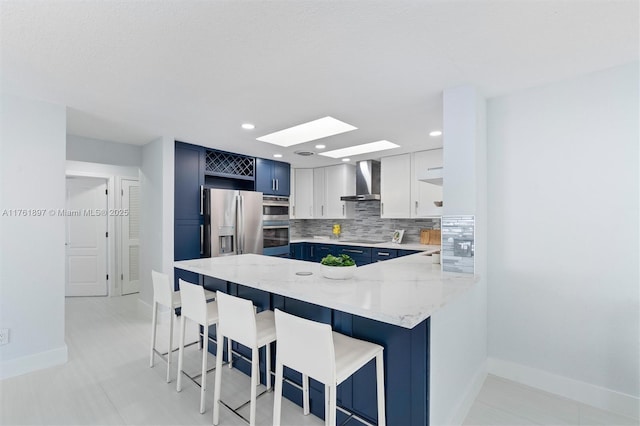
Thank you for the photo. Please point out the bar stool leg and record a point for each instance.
(154, 318)
(327, 406)
(380, 391)
(218, 379)
(255, 374)
(332, 404)
(180, 354)
(277, 404)
(203, 380)
(170, 349)
(229, 353)
(305, 394)
(268, 366)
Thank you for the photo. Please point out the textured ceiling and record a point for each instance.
(131, 71)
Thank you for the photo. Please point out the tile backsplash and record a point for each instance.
(367, 225)
(458, 244)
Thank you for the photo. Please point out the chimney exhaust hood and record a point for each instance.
(367, 182)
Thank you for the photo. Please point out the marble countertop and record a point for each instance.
(402, 291)
(353, 242)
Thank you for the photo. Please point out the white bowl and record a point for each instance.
(338, 272)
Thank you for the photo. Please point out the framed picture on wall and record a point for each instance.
(397, 236)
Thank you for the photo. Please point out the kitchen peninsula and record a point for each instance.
(388, 303)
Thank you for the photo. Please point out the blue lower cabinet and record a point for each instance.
(406, 359)
(361, 255)
(378, 255)
(407, 252)
(297, 251)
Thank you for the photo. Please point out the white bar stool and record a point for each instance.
(240, 323)
(314, 350)
(164, 295)
(196, 308)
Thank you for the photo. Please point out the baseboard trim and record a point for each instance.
(470, 395)
(38, 361)
(586, 393)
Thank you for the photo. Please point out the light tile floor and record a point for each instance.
(108, 381)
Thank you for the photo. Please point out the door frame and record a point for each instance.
(114, 185)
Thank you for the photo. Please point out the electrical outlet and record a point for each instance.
(4, 336)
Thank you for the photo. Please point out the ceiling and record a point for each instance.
(196, 70)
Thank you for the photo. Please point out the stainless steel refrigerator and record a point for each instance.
(233, 222)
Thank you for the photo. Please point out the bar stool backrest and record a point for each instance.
(306, 346)
(162, 292)
(194, 304)
(237, 319)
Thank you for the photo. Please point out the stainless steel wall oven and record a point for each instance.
(275, 225)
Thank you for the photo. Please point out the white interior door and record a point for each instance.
(130, 246)
(86, 224)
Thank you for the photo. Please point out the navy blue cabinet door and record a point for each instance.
(264, 176)
(407, 252)
(189, 176)
(282, 174)
(272, 177)
(297, 251)
(378, 255)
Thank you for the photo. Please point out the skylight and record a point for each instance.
(316, 129)
(360, 149)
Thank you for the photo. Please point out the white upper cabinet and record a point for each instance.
(424, 194)
(403, 195)
(316, 192)
(395, 186)
(329, 184)
(319, 193)
(340, 180)
(303, 194)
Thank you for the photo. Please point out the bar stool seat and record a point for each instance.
(165, 296)
(196, 308)
(240, 323)
(314, 350)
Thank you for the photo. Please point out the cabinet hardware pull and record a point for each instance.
(273, 184)
(277, 184)
(416, 207)
(321, 210)
(201, 197)
(343, 210)
(382, 208)
(381, 253)
(353, 251)
(293, 211)
(201, 239)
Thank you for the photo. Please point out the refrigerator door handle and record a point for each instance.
(201, 239)
(240, 226)
(201, 199)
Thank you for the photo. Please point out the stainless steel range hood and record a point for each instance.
(367, 182)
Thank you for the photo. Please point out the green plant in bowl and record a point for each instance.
(342, 260)
(338, 267)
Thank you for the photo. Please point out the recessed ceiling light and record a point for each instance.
(277, 155)
(435, 133)
(248, 126)
(320, 146)
(346, 159)
(316, 129)
(360, 149)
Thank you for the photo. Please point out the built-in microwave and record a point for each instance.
(275, 208)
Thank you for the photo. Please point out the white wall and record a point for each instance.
(32, 274)
(100, 151)
(564, 305)
(459, 330)
(156, 227)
